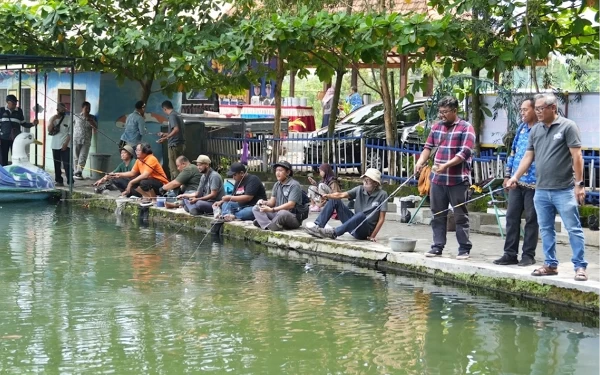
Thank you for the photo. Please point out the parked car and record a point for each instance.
(366, 122)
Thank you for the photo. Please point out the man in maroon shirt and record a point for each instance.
(454, 139)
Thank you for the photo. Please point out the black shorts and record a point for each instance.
(150, 184)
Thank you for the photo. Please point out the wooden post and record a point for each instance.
(403, 75)
(354, 77)
(292, 83)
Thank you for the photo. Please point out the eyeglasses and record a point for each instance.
(445, 112)
(540, 109)
(522, 110)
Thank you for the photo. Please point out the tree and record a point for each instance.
(134, 40)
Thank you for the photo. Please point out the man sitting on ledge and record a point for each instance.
(279, 212)
(147, 175)
(247, 191)
(186, 182)
(209, 190)
(369, 200)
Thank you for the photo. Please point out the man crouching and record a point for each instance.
(279, 212)
(370, 206)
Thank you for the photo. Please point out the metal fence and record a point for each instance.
(351, 155)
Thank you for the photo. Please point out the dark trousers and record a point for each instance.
(64, 157)
(121, 184)
(350, 221)
(5, 146)
(440, 196)
(521, 199)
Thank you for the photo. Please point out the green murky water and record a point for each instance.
(82, 292)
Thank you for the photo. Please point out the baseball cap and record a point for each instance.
(203, 159)
(11, 98)
(236, 167)
(285, 165)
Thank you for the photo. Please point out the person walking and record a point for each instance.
(555, 145)
(454, 139)
(521, 197)
(175, 137)
(85, 125)
(135, 126)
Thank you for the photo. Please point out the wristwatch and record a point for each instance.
(579, 183)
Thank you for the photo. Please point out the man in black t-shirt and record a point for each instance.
(248, 190)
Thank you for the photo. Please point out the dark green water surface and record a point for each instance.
(83, 292)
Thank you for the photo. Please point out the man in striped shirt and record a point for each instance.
(454, 139)
(11, 120)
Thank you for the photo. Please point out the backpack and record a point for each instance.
(303, 208)
(593, 222)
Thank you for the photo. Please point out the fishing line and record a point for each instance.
(469, 201)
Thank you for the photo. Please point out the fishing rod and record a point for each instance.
(83, 167)
(469, 201)
(382, 203)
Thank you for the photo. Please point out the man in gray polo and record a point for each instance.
(555, 144)
(175, 137)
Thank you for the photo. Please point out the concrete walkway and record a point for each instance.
(478, 270)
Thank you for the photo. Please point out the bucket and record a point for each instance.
(402, 244)
(99, 163)
(160, 201)
(366, 98)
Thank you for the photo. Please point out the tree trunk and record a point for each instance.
(337, 88)
(477, 122)
(146, 89)
(279, 76)
(389, 118)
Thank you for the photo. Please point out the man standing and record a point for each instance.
(521, 198)
(85, 124)
(147, 175)
(135, 126)
(454, 139)
(279, 212)
(210, 190)
(59, 127)
(247, 191)
(354, 99)
(11, 120)
(555, 145)
(175, 136)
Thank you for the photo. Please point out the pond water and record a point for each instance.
(83, 292)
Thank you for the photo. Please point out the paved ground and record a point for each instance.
(486, 248)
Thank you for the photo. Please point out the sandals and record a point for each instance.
(545, 270)
(580, 274)
(229, 217)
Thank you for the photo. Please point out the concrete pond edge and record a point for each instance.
(583, 296)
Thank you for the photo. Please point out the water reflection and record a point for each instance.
(82, 293)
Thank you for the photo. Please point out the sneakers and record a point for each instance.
(327, 233)
(313, 230)
(146, 203)
(463, 256)
(526, 261)
(506, 260)
(256, 224)
(99, 189)
(78, 176)
(433, 253)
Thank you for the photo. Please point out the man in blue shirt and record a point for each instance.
(354, 99)
(521, 198)
(135, 126)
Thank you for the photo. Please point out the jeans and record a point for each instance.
(440, 196)
(521, 199)
(547, 203)
(64, 157)
(350, 221)
(240, 213)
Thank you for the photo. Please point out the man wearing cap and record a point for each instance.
(11, 120)
(175, 137)
(210, 190)
(454, 139)
(147, 175)
(247, 191)
(109, 180)
(370, 207)
(278, 213)
(188, 179)
(59, 127)
(135, 126)
(85, 125)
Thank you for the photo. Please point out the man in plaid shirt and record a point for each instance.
(454, 139)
